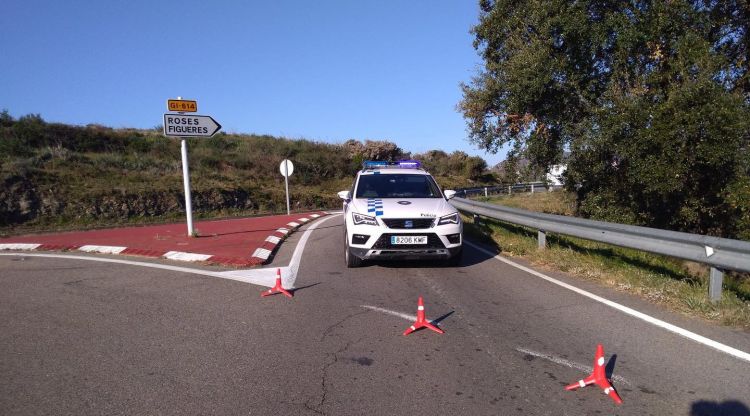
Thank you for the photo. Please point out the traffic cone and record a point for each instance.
(277, 288)
(598, 377)
(421, 321)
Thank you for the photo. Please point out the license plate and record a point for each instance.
(411, 239)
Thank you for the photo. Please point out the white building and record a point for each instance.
(554, 174)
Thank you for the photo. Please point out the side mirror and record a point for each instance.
(449, 194)
(345, 195)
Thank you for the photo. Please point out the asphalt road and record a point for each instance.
(80, 337)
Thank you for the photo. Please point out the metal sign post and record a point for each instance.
(186, 183)
(181, 125)
(286, 167)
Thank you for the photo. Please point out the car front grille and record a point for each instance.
(384, 242)
(403, 223)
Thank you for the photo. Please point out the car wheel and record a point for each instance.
(352, 261)
(456, 259)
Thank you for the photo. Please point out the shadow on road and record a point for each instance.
(729, 407)
(441, 318)
(610, 368)
(294, 290)
(470, 258)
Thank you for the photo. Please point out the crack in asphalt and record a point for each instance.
(329, 363)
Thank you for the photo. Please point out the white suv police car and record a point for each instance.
(395, 210)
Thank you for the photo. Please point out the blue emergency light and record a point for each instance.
(381, 164)
(370, 164)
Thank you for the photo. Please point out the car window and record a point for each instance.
(397, 186)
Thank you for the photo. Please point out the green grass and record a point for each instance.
(676, 284)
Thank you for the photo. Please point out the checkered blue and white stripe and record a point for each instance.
(375, 206)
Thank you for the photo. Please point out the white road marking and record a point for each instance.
(182, 256)
(562, 361)
(297, 255)
(102, 249)
(390, 312)
(19, 246)
(261, 277)
(224, 275)
(622, 308)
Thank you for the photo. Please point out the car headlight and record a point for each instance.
(363, 219)
(449, 219)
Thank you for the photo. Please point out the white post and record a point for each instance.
(532, 188)
(542, 239)
(485, 191)
(508, 189)
(186, 181)
(716, 278)
(286, 183)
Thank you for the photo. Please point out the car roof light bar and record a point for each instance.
(414, 164)
(382, 164)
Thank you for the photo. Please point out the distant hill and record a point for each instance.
(57, 176)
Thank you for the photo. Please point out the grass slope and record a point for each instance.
(57, 177)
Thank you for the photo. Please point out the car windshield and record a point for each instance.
(397, 186)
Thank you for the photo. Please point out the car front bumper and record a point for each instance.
(443, 242)
(405, 253)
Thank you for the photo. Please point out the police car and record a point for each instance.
(395, 210)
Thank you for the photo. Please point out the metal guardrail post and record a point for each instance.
(542, 239)
(532, 188)
(485, 191)
(714, 284)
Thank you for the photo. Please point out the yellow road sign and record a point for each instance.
(183, 106)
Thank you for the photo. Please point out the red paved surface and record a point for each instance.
(232, 241)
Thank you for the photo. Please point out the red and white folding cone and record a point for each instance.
(278, 288)
(421, 321)
(598, 377)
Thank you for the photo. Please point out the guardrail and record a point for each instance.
(719, 253)
(507, 189)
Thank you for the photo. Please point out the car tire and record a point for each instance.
(352, 261)
(456, 260)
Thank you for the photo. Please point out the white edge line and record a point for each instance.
(622, 308)
(261, 277)
(405, 316)
(567, 363)
(297, 254)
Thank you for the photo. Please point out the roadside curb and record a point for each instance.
(260, 256)
(263, 253)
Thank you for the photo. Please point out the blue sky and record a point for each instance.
(320, 70)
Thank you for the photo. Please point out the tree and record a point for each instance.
(651, 98)
(6, 120)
